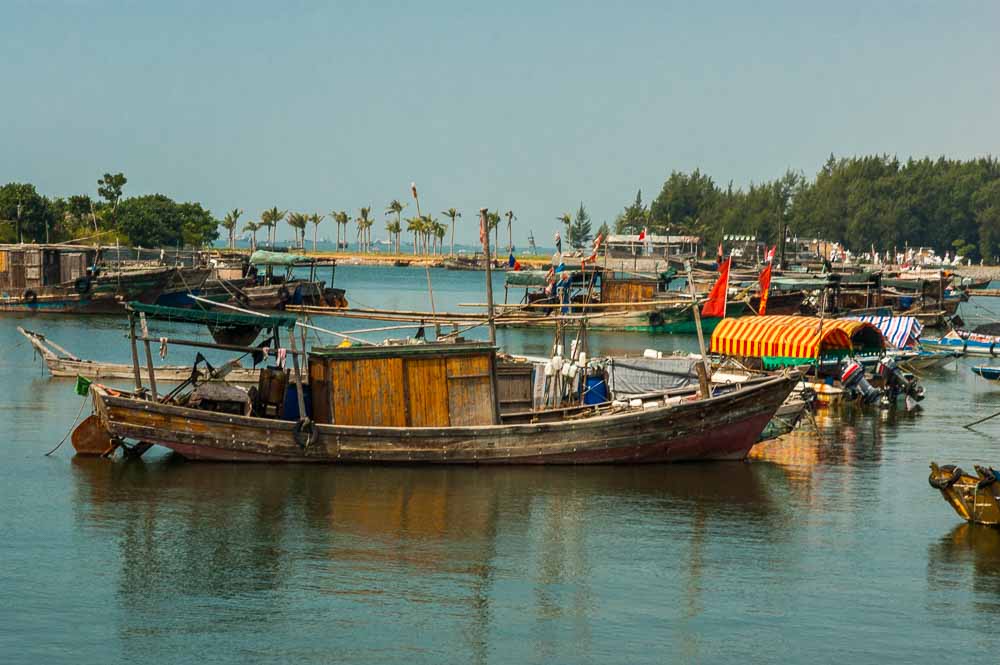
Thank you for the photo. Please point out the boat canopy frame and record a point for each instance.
(789, 340)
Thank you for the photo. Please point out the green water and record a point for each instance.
(839, 551)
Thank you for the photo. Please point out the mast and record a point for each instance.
(485, 237)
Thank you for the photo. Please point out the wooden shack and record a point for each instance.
(419, 385)
(34, 266)
(616, 289)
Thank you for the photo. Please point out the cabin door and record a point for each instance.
(33, 268)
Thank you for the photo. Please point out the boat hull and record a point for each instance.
(723, 427)
(975, 499)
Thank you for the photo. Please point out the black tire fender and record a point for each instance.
(82, 285)
(944, 483)
(655, 319)
(305, 433)
(30, 296)
(989, 477)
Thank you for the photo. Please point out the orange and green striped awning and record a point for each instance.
(791, 336)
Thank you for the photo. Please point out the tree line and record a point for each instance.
(861, 202)
(153, 220)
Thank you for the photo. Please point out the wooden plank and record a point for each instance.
(368, 392)
(426, 385)
(470, 390)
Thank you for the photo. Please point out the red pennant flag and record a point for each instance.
(765, 288)
(642, 234)
(483, 233)
(413, 188)
(770, 255)
(715, 306)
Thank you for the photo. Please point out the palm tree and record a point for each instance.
(414, 225)
(252, 228)
(297, 221)
(394, 227)
(440, 231)
(229, 224)
(316, 218)
(365, 222)
(341, 218)
(270, 219)
(567, 219)
(395, 207)
(335, 216)
(452, 213)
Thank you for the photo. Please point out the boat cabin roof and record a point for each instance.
(422, 350)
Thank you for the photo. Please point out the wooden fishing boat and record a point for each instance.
(439, 404)
(987, 372)
(62, 363)
(976, 498)
(65, 279)
(274, 283)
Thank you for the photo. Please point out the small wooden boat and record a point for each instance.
(965, 343)
(62, 363)
(987, 372)
(439, 404)
(976, 498)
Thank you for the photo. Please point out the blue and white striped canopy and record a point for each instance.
(899, 331)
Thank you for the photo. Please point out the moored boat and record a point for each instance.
(65, 279)
(61, 363)
(987, 372)
(975, 499)
(438, 404)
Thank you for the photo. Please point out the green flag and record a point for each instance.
(82, 386)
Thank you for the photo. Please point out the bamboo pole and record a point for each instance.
(697, 319)
(298, 323)
(135, 352)
(298, 377)
(430, 291)
(489, 277)
(149, 355)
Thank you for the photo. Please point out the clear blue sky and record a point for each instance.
(531, 106)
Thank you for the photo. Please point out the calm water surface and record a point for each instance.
(831, 549)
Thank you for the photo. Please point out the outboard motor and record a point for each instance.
(854, 381)
(898, 382)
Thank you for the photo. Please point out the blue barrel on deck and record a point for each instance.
(905, 302)
(291, 410)
(596, 390)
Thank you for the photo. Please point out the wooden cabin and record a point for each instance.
(419, 385)
(616, 289)
(34, 266)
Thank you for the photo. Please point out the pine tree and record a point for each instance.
(581, 228)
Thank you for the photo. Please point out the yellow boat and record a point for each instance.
(976, 499)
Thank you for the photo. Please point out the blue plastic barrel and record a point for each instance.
(905, 302)
(596, 390)
(291, 411)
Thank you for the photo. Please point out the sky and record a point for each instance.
(534, 107)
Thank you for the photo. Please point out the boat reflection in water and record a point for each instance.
(963, 572)
(320, 553)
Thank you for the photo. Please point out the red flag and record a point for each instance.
(642, 234)
(770, 256)
(413, 188)
(765, 288)
(715, 306)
